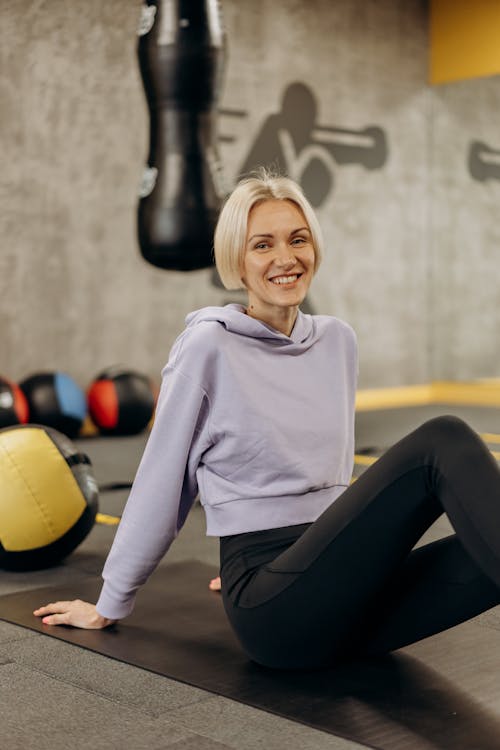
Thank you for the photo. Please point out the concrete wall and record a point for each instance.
(412, 243)
(465, 229)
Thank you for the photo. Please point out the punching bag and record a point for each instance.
(181, 56)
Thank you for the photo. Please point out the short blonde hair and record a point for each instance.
(231, 230)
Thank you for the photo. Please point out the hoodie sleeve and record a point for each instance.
(162, 494)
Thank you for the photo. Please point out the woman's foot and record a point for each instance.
(215, 584)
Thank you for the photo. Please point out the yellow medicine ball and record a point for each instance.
(48, 497)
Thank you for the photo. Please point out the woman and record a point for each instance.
(256, 412)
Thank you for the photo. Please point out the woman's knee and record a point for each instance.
(446, 428)
(449, 438)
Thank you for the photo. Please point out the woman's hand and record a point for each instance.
(76, 613)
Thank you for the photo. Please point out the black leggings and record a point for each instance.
(351, 584)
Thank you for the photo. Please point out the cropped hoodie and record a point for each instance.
(260, 424)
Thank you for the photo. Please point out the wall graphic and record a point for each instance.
(483, 162)
(294, 143)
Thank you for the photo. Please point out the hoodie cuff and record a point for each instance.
(108, 605)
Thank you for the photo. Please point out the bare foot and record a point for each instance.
(215, 584)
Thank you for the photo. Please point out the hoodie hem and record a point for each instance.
(225, 519)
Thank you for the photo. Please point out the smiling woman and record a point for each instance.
(256, 411)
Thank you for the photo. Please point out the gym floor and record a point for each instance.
(56, 695)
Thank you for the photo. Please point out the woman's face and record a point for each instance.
(278, 264)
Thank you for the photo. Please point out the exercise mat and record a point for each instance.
(443, 692)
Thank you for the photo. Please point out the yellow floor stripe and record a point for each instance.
(480, 393)
(489, 437)
(364, 460)
(484, 393)
(371, 399)
(107, 520)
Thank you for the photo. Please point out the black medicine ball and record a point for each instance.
(121, 402)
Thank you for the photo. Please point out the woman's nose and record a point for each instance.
(284, 257)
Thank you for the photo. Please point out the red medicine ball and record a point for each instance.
(121, 402)
(13, 404)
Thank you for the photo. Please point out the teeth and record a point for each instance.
(284, 279)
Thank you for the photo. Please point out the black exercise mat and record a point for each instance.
(441, 693)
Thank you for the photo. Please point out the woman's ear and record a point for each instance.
(242, 278)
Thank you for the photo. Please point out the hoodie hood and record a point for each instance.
(234, 318)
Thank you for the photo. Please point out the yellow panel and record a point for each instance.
(465, 39)
(40, 499)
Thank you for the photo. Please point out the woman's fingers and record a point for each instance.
(51, 608)
(56, 613)
(76, 613)
(62, 619)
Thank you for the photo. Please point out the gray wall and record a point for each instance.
(412, 246)
(465, 231)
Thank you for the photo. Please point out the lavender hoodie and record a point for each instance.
(259, 423)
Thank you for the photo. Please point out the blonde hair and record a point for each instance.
(231, 229)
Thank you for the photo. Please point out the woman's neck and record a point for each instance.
(282, 319)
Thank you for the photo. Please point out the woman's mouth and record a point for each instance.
(283, 280)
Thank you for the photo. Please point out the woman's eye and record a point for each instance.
(298, 240)
(261, 246)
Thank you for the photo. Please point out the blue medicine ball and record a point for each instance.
(55, 400)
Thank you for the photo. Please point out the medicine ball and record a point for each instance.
(13, 404)
(55, 400)
(48, 497)
(121, 402)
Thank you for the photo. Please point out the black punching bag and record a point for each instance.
(181, 55)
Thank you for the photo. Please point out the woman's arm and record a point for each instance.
(162, 494)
